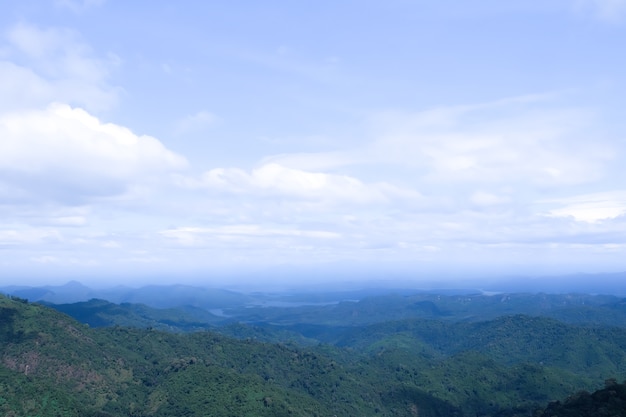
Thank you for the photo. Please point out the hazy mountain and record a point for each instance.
(604, 283)
(101, 313)
(71, 292)
(157, 296)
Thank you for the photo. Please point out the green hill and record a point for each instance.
(609, 402)
(55, 366)
(52, 365)
(101, 313)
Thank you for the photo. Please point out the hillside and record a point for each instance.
(55, 366)
(513, 365)
(607, 402)
(101, 313)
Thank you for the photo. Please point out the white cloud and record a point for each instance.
(320, 161)
(63, 152)
(479, 170)
(274, 180)
(54, 64)
(21, 88)
(504, 142)
(28, 236)
(592, 207)
(607, 10)
(194, 236)
(530, 141)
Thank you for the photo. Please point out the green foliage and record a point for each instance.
(101, 313)
(21, 395)
(52, 365)
(571, 308)
(609, 402)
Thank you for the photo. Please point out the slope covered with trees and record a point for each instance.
(53, 365)
(607, 402)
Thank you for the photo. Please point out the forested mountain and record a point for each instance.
(513, 365)
(101, 313)
(607, 402)
(55, 366)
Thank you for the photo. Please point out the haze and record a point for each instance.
(257, 142)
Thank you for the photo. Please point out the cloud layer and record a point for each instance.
(496, 148)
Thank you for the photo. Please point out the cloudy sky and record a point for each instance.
(204, 141)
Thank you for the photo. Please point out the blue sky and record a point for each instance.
(241, 141)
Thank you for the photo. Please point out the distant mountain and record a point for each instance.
(571, 308)
(336, 309)
(601, 283)
(71, 292)
(102, 313)
(157, 296)
(166, 296)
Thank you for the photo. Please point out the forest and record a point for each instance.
(402, 354)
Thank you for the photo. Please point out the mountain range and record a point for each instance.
(371, 353)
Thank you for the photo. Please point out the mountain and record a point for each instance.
(70, 292)
(512, 365)
(572, 308)
(101, 313)
(53, 365)
(340, 308)
(156, 296)
(590, 283)
(609, 402)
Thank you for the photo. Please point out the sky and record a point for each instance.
(315, 141)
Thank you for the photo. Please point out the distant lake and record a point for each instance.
(287, 304)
